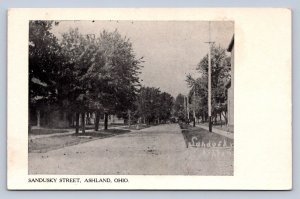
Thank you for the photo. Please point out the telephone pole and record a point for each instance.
(194, 107)
(209, 79)
(188, 107)
(184, 107)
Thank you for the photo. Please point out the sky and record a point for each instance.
(171, 49)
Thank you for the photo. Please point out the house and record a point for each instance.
(230, 87)
(49, 116)
(114, 119)
(52, 117)
(42, 114)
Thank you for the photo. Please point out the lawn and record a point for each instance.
(44, 131)
(223, 127)
(42, 145)
(198, 137)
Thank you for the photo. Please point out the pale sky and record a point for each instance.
(171, 49)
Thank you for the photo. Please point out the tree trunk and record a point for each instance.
(97, 119)
(221, 119)
(77, 122)
(38, 119)
(83, 122)
(129, 118)
(225, 117)
(105, 121)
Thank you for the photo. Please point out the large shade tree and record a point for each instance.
(105, 72)
(80, 53)
(82, 73)
(45, 65)
(113, 74)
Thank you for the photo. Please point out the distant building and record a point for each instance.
(230, 87)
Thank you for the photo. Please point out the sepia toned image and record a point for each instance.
(109, 97)
(149, 99)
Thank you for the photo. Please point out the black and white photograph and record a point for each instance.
(120, 97)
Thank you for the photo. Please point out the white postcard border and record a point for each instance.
(263, 145)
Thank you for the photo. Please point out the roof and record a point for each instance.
(231, 44)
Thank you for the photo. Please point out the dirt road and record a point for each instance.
(158, 150)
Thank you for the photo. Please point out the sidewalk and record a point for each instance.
(32, 137)
(218, 131)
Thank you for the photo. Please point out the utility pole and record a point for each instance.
(188, 108)
(194, 107)
(129, 118)
(209, 79)
(184, 107)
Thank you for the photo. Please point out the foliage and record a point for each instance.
(179, 107)
(105, 70)
(45, 63)
(82, 73)
(220, 63)
(154, 106)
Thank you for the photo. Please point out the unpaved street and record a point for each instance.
(158, 150)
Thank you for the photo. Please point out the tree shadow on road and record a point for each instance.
(45, 144)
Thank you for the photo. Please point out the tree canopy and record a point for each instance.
(82, 73)
(45, 63)
(154, 106)
(220, 63)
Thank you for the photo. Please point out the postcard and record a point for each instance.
(149, 99)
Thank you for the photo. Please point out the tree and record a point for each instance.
(105, 73)
(220, 76)
(113, 74)
(82, 73)
(200, 86)
(166, 106)
(79, 51)
(148, 106)
(45, 63)
(154, 106)
(179, 111)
